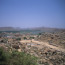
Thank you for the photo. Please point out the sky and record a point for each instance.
(32, 13)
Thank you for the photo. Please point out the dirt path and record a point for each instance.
(42, 44)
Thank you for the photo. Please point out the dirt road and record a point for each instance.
(42, 44)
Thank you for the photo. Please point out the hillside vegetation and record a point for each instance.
(16, 58)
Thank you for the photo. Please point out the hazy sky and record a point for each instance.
(32, 13)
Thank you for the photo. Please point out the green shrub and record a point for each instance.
(3, 41)
(4, 57)
(25, 38)
(21, 58)
(39, 33)
(31, 37)
(16, 58)
(18, 38)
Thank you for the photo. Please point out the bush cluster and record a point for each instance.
(16, 58)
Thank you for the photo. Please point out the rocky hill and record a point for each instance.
(49, 48)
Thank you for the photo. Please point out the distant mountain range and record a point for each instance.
(48, 29)
(45, 29)
(9, 29)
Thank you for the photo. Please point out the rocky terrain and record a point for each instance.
(56, 39)
(49, 48)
